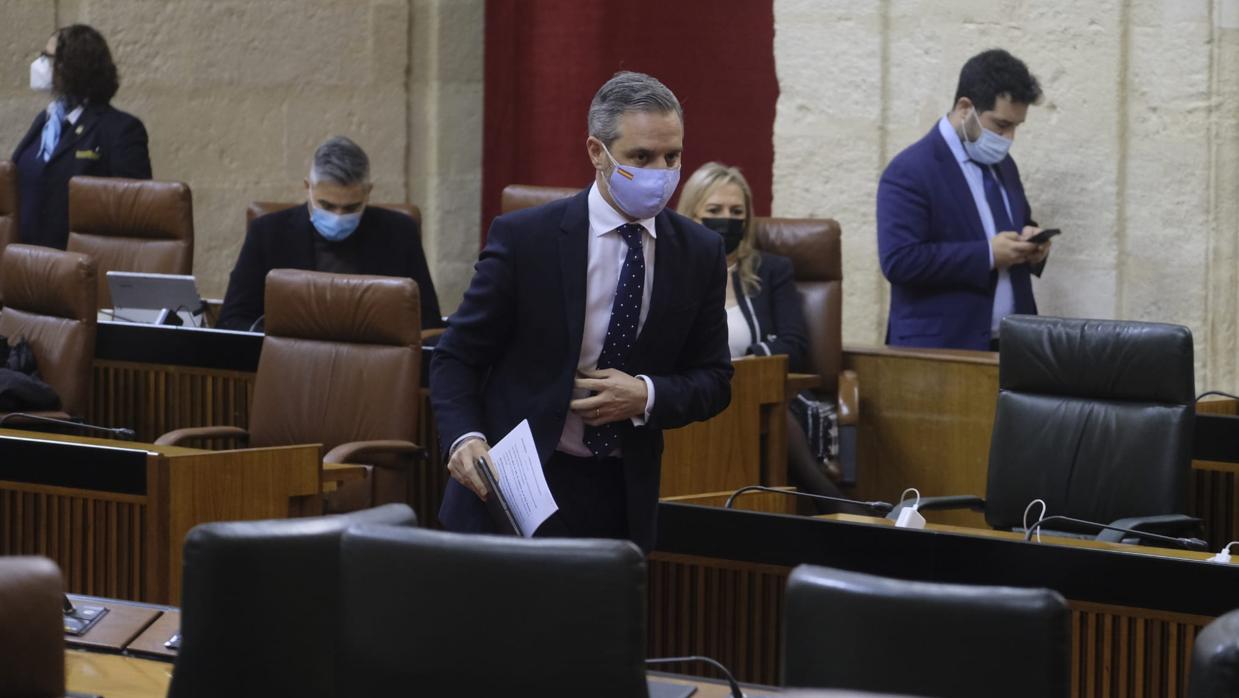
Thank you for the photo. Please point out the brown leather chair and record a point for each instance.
(49, 300)
(340, 366)
(131, 225)
(518, 196)
(262, 208)
(32, 652)
(10, 232)
(814, 247)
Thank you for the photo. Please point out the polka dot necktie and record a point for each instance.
(621, 332)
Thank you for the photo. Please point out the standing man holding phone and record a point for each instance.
(955, 231)
(599, 318)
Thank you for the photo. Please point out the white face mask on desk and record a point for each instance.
(41, 74)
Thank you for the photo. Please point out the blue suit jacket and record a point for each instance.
(511, 349)
(934, 251)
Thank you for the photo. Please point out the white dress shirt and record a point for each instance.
(607, 250)
(1004, 296)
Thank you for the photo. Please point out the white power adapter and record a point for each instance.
(1223, 555)
(910, 517)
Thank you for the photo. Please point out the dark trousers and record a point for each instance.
(591, 495)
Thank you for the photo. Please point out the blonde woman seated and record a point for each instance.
(765, 313)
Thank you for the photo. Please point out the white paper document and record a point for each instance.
(521, 481)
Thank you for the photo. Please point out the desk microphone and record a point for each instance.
(122, 433)
(879, 507)
(1185, 543)
(731, 681)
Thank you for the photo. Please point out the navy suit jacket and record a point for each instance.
(776, 311)
(105, 142)
(390, 244)
(511, 349)
(934, 251)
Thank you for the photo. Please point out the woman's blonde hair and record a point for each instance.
(699, 187)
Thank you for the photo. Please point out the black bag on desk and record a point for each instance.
(21, 388)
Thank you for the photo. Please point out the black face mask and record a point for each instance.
(732, 230)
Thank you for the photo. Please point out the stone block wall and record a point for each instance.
(1134, 153)
(235, 96)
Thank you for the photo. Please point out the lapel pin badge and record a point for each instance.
(78, 130)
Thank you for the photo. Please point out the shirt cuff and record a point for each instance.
(649, 402)
(989, 249)
(462, 439)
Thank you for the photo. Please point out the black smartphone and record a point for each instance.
(1044, 235)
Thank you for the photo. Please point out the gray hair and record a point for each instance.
(624, 92)
(340, 161)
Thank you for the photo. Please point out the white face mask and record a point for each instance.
(41, 74)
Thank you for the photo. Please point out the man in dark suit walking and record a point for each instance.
(334, 232)
(953, 222)
(599, 318)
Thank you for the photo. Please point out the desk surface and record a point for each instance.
(115, 676)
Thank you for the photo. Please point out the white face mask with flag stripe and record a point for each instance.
(641, 192)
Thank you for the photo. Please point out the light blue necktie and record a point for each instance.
(51, 130)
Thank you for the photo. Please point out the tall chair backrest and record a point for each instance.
(813, 246)
(32, 654)
(131, 225)
(261, 605)
(1093, 416)
(518, 196)
(856, 631)
(49, 300)
(340, 362)
(478, 615)
(1215, 659)
(10, 231)
(257, 209)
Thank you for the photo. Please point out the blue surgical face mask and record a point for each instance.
(334, 226)
(989, 148)
(641, 192)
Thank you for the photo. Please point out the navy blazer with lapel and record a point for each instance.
(511, 350)
(935, 253)
(105, 142)
(390, 245)
(775, 311)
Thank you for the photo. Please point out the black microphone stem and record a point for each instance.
(880, 507)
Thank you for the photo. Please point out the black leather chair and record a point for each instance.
(475, 615)
(1094, 417)
(1215, 660)
(261, 605)
(855, 631)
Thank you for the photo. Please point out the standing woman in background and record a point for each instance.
(765, 314)
(78, 134)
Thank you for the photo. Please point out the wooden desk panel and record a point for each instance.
(925, 421)
(151, 641)
(127, 544)
(717, 581)
(725, 452)
(116, 629)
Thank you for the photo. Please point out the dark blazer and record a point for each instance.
(511, 350)
(105, 142)
(934, 251)
(775, 314)
(390, 245)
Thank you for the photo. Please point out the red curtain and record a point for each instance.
(546, 58)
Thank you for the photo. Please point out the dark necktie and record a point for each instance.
(621, 331)
(993, 196)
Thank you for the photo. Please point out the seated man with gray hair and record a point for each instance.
(334, 232)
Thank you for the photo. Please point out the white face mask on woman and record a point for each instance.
(41, 74)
